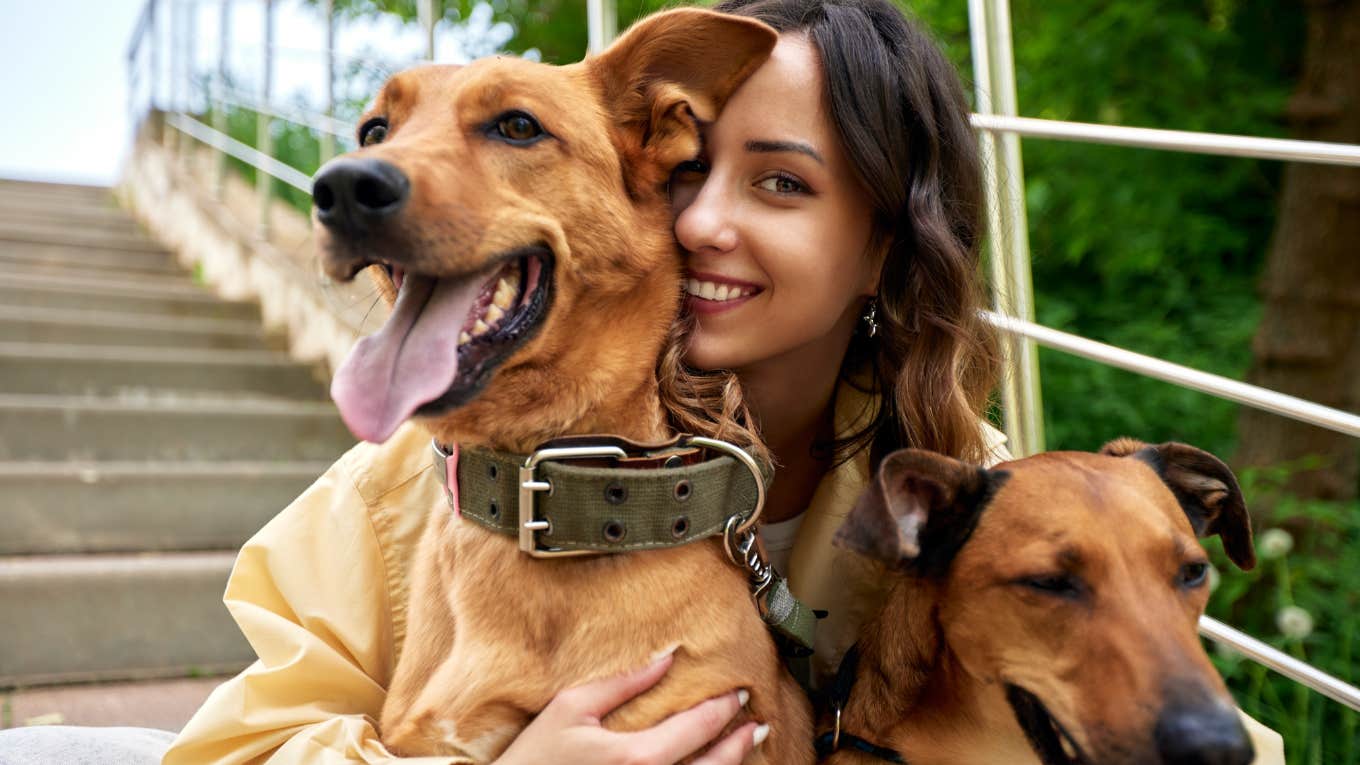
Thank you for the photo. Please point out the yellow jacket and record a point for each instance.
(320, 592)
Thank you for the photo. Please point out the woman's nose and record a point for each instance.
(704, 220)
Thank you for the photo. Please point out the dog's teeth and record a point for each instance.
(480, 328)
(464, 338)
(1068, 749)
(505, 296)
(494, 314)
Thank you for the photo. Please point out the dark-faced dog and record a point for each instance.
(518, 217)
(1046, 611)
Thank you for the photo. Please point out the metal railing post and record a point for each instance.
(427, 15)
(172, 74)
(602, 20)
(264, 137)
(327, 139)
(188, 54)
(219, 106)
(153, 55)
(1008, 232)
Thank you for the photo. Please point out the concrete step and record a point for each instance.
(20, 207)
(159, 704)
(95, 370)
(111, 617)
(76, 327)
(102, 507)
(76, 190)
(25, 195)
(77, 234)
(143, 301)
(171, 283)
(41, 428)
(14, 254)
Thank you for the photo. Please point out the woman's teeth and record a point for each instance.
(507, 292)
(715, 291)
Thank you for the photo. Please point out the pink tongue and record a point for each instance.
(410, 361)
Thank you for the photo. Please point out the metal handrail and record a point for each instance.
(316, 121)
(1222, 387)
(1331, 687)
(247, 154)
(1286, 149)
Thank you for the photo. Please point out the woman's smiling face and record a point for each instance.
(775, 224)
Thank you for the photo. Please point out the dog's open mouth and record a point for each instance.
(1046, 735)
(445, 337)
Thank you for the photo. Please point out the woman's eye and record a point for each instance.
(374, 132)
(518, 127)
(1194, 574)
(782, 184)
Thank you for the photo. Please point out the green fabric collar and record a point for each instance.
(586, 495)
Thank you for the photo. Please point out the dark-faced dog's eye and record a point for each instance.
(1193, 574)
(373, 132)
(1057, 585)
(518, 128)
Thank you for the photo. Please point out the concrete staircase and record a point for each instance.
(147, 429)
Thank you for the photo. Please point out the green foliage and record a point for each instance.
(1154, 251)
(1318, 576)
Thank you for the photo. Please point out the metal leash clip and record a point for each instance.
(743, 551)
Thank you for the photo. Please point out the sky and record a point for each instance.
(63, 70)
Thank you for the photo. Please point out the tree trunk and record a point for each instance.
(1308, 343)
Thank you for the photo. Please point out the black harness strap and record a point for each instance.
(836, 739)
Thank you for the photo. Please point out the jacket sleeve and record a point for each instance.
(310, 594)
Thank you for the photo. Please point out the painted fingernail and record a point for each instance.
(759, 735)
(664, 653)
(743, 696)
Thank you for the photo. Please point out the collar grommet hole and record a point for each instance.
(615, 494)
(682, 490)
(492, 471)
(614, 531)
(680, 527)
(494, 510)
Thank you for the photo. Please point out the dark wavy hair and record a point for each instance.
(902, 118)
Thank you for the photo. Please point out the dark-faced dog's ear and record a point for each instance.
(919, 510)
(666, 74)
(1206, 489)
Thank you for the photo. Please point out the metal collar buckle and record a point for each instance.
(530, 525)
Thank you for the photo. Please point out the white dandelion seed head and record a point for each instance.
(1274, 543)
(1294, 622)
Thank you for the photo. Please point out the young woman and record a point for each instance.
(832, 232)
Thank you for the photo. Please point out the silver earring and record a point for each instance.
(871, 316)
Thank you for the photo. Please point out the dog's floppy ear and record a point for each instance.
(666, 74)
(1206, 489)
(919, 510)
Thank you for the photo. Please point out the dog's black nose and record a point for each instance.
(354, 194)
(1202, 735)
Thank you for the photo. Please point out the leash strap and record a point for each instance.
(836, 739)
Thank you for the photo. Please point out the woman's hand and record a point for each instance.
(569, 730)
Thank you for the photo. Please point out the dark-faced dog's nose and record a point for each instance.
(1204, 735)
(353, 194)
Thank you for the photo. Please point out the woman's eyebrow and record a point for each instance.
(775, 147)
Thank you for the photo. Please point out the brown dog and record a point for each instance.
(1047, 610)
(520, 216)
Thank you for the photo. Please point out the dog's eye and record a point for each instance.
(1060, 585)
(518, 127)
(373, 132)
(1194, 574)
